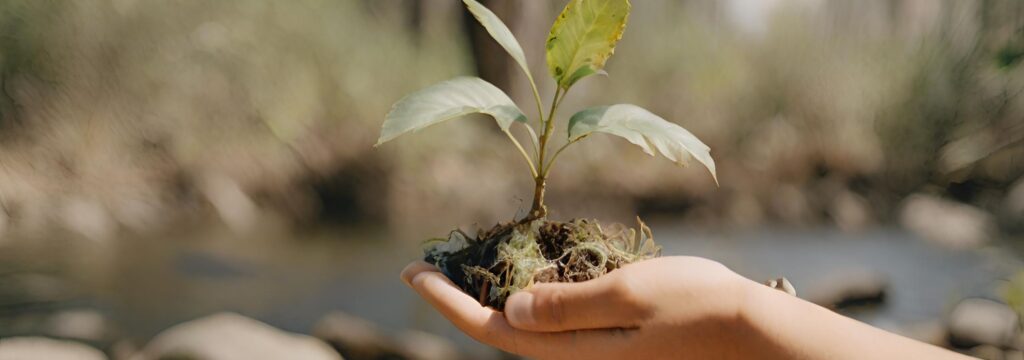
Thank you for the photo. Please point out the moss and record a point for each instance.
(511, 256)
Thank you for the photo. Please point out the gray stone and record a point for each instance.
(1013, 205)
(986, 352)
(24, 348)
(977, 321)
(88, 218)
(356, 338)
(946, 222)
(850, 211)
(419, 345)
(851, 288)
(228, 336)
(78, 324)
(353, 337)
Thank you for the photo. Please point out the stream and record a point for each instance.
(144, 285)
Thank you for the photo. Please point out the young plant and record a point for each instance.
(512, 256)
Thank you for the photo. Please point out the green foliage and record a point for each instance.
(581, 41)
(644, 129)
(1013, 293)
(584, 37)
(449, 100)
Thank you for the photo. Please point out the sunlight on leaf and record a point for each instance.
(584, 37)
(448, 100)
(644, 129)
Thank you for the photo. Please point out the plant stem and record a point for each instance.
(546, 169)
(536, 97)
(538, 210)
(533, 169)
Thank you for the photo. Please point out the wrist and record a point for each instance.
(752, 320)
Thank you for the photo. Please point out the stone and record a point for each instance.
(82, 324)
(847, 289)
(88, 218)
(22, 348)
(238, 211)
(354, 337)
(851, 212)
(1013, 205)
(978, 321)
(946, 222)
(229, 336)
(420, 345)
(986, 352)
(357, 338)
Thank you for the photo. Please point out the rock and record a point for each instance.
(88, 218)
(229, 336)
(235, 207)
(22, 348)
(850, 289)
(946, 222)
(850, 211)
(78, 324)
(353, 337)
(414, 344)
(141, 215)
(789, 204)
(986, 352)
(1013, 205)
(977, 321)
(356, 338)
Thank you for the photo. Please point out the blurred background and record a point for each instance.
(196, 179)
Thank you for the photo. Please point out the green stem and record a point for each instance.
(536, 97)
(547, 169)
(533, 169)
(538, 210)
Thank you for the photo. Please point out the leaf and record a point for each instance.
(584, 37)
(448, 100)
(500, 33)
(644, 129)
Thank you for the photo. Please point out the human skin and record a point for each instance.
(669, 307)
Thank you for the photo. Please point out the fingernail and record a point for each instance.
(519, 309)
(407, 274)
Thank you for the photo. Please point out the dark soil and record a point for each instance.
(511, 256)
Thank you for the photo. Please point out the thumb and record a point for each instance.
(605, 302)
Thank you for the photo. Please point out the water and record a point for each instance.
(146, 285)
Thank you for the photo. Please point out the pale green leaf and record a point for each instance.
(584, 37)
(448, 100)
(644, 129)
(500, 33)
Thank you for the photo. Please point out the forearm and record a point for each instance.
(784, 326)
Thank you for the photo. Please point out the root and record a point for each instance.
(512, 256)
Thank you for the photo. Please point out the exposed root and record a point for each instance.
(512, 256)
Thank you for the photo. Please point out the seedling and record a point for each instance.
(512, 256)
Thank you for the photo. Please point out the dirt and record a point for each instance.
(512, 256)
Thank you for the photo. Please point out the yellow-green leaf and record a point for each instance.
(584, 37)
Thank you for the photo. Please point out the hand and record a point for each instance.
(669, 307)
(664, 307)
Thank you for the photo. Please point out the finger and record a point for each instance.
(605, 302)
(415, 268)
(490, 327)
